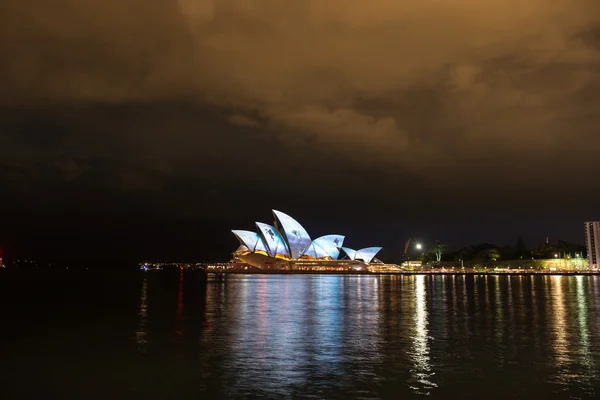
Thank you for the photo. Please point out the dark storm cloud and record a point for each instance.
(144, 94)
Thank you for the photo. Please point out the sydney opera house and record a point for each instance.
(287, 245)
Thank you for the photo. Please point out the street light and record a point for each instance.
(419, 246)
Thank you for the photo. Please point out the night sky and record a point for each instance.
(148, 129)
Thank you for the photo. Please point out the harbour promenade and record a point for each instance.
(403, 272)
(517, 267)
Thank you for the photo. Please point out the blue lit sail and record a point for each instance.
(350, 252)
(273, 239)
(326, 246)
(312, 251)
(296, 236)
(367, 254)
(251, 240)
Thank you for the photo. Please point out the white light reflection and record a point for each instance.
(465, 303)
(329, 320)
(420, 351)
(141, 332)
(584, 350)
(267, 333)
(593, 298)
(560, 343)
(534, 305)
(582, 316)
(498, 316)
(571, 344)
(510, 303)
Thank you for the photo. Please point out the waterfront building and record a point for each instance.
(287, 245)
(592, 242)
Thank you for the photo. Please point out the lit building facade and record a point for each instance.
(287, 244)
(592, 242)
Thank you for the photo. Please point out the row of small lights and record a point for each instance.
(419, 246)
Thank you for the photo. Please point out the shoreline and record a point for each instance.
(567, 273)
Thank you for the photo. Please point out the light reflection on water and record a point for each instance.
(323, 335)
(575, 364)
(166, 335)
(140, 334)
(584, 333)
(298, 333)
(559, 343)
(421, 368)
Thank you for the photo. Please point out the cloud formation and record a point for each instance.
(437, 118)
(414, 83)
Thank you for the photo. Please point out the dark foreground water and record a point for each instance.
(160, 335)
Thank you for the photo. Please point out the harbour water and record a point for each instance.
(156, 335)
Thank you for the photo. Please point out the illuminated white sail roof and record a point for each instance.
(292, 240)
(326, 246)
(273, 239)
(296, 236)
(251, 240)
(315, 251)
(366, 254)
(350, 252)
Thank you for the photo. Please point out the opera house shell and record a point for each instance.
(287, 243)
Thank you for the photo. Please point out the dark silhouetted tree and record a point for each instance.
(428, 257)
(489, 255)
(521, 250)
(547, 250)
